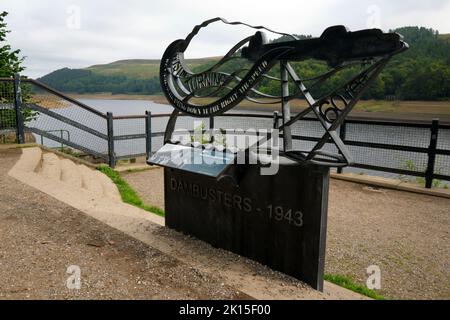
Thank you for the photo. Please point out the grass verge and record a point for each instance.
(127, 193)
(347, 283)
(138, 169)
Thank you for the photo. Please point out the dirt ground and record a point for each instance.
(405, 234)
(148, 184)
(38, 246)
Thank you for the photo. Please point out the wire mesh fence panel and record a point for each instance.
(7, 113)
(385, 134)
(308, 128)
(330, 147)
(243, 123)
(394, 159)
(242, 132)
(442, 165)
(67, 109)
(56, 120)
(50, 130)
(131, 146)
(187, 123)
(443, 141)
(302, 145)
(159, 124)
(129, 126)
(157, 143)
(158, 127)
(305, 146)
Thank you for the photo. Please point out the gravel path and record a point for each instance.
(405, 234)
(37, 246)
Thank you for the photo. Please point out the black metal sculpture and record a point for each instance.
(278, 219)
(340, 48)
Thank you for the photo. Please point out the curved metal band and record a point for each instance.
(170, 127)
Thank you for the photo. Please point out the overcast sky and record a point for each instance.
(79, 33)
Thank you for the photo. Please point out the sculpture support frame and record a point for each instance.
(283, 228)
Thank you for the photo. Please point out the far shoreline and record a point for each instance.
(124, 96)
(365, 109)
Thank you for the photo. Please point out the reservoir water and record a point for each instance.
(127, 107)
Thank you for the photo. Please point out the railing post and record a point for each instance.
(62, 139)
(110, 129)
(342, 131)
(432, 153)
(18, 109)
(275, 138)
(148, 133)
(275, 119)
(211, 130)
(285, 108)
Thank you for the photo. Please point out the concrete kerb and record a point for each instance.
(394, 184)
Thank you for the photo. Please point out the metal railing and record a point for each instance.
(61, 135)
(29, 105)
(430, 146)
(424, 150)
(416, 149)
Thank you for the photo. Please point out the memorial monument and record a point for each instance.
(266, 200)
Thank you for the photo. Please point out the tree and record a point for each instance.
(10, 62)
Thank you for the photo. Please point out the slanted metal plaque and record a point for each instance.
(209, 162)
